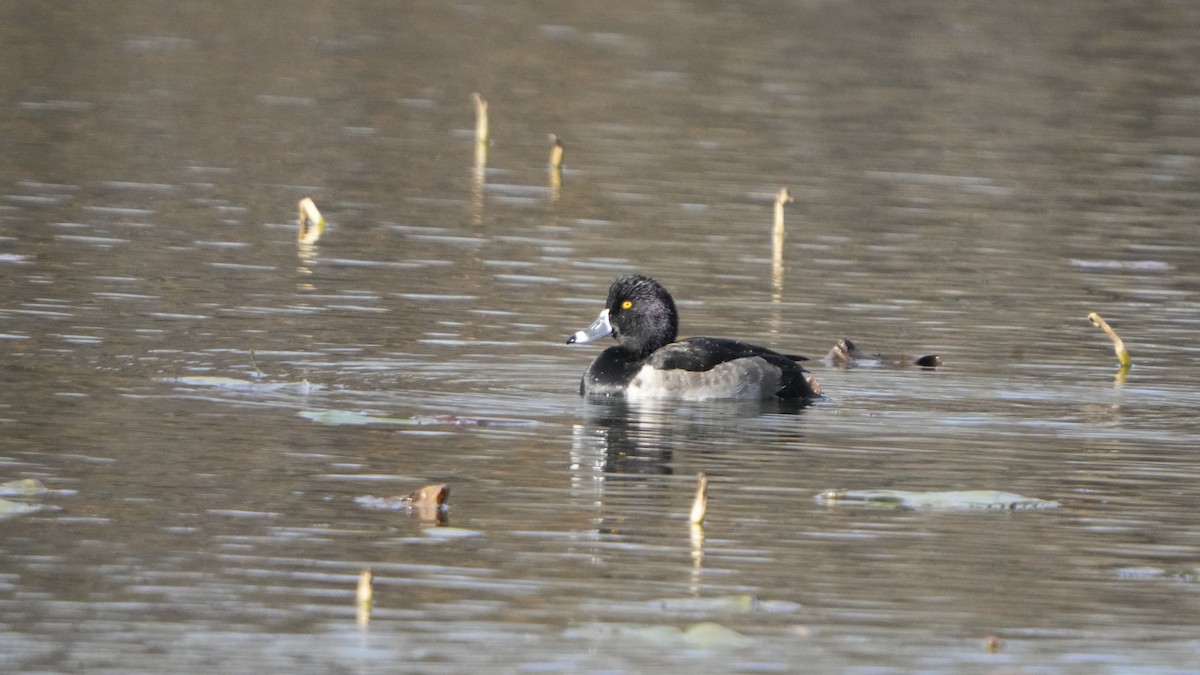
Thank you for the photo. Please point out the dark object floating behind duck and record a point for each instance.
(846, 354)
(648, 363)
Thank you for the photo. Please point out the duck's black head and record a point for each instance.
(642, 313)
(639, 313)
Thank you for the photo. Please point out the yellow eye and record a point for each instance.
(627, 304)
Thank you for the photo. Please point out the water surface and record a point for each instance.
(971, 179)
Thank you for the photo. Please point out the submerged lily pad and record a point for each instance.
(237, 384)
(702, 607)
(347, 417)
(704, 635)
(733, 604)
(25, 487)
(953, 499)
(726, 603)
(9, 508)
(450, 533)
(1147, 573)
(1135, 265)
(710, 634)
(350, 417)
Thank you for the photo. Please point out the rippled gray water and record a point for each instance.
(971, 179)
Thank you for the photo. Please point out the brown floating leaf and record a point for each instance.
(431, 496)
(992, 644)
(428, 503)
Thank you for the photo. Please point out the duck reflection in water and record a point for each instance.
(623, 437)
(623, 452)
(613, 439)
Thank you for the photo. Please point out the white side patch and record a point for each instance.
(751, 378)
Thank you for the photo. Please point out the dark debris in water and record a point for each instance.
(846, 354)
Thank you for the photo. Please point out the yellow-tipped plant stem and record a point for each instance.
(312, 223)
(482, 139)
(1118, 343)
(482, 134)
(700, 501)
(556, 152)
(782, 197)
(556, 162)
(364, 597)
(697, 541)
(699, 510)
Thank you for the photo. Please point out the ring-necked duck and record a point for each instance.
(647, 362)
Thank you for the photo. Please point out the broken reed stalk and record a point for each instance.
(363, 597)
(312, 223)
(1118, 343)
(254, 364)
(556, 152)
(700, 501)
(556, 161)
(482, 138)
(482, 135)
(782, 197)
(697, 540)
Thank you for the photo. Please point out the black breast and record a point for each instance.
(611, 372)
